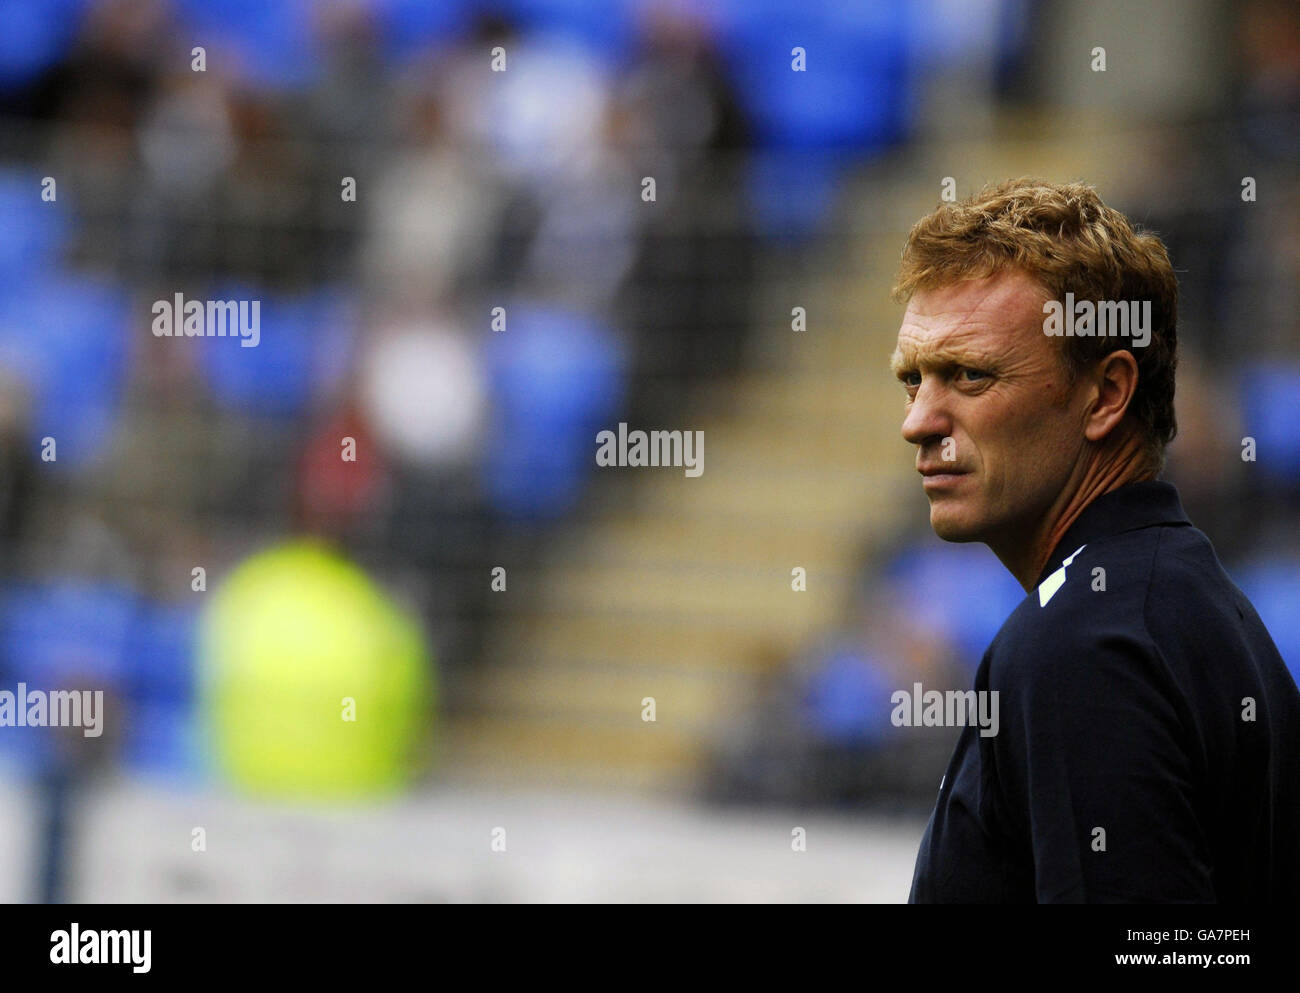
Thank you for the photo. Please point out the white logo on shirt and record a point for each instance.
(1055, 581)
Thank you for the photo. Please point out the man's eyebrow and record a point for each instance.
(941, 357)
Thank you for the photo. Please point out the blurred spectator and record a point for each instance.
(687, 300)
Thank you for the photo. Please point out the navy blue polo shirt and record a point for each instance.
(1148, 740)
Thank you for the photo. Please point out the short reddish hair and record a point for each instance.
(1067, 240)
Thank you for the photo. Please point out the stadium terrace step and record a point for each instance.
(684, 583)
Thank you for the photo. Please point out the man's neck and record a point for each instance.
(1118, 465)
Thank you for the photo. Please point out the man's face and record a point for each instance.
(998, 430)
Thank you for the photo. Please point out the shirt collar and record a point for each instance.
(1137, 505)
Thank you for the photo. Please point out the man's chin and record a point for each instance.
(952, 526)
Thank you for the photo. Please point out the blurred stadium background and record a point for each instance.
(522, 189)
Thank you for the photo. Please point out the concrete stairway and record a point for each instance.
(679, 588)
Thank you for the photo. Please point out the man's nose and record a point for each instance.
(927, 418)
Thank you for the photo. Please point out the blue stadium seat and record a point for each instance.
(57, 632)
(36, 34)
(162, 735)
(852, 98)
(66, 337)
(605, 28)
(556, 379)
(1270, 396)
(267, 43)
(302, 347)
(50, 630)
(34, 231)
(852, 95)
(105, 637)
(846, 698)
(960, 591)
(162, 653)
(1273, 586)
(407, 26)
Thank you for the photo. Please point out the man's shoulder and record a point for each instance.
(1095, 601)
(1106, 578)
(1140, 593)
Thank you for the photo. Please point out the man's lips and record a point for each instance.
(939, 470)
(938, 477)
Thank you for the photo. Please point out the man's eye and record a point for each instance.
(974, 375)
(911, 380)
